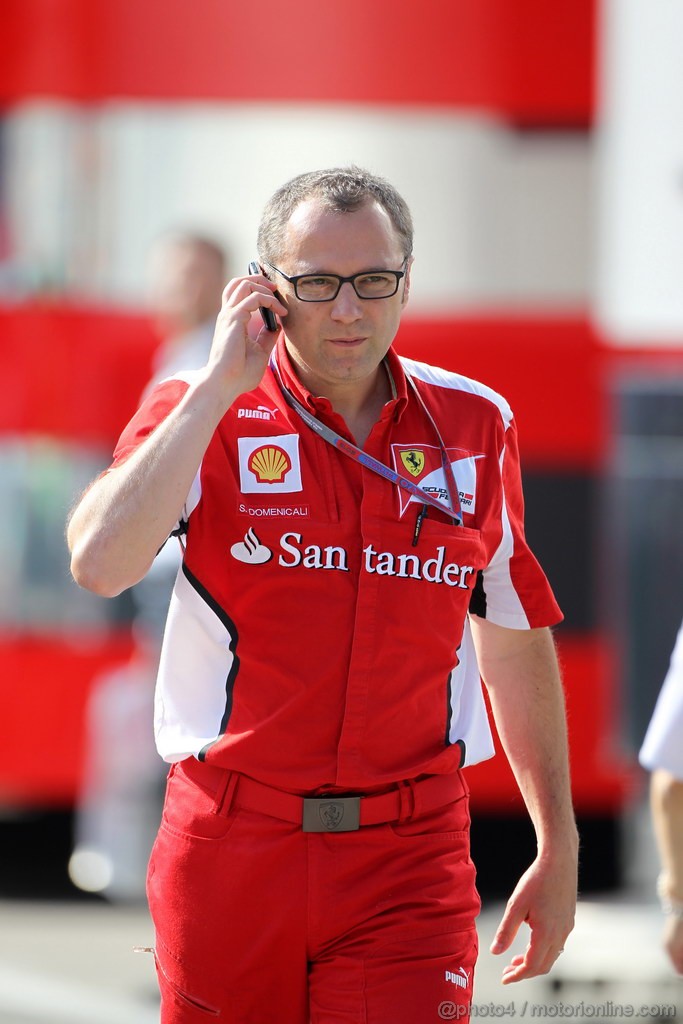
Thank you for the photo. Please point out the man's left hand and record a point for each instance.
(544, 898)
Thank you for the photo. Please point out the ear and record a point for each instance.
(406, 281)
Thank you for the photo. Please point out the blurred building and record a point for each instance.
(535, 160)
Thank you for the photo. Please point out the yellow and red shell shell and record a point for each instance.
(270, 464)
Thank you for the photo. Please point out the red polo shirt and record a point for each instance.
(310, 644)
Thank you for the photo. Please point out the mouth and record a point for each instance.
(347, 342)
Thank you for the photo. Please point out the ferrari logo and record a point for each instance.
(331, 815)
(414, 461)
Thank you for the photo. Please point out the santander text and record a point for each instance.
(385, 563)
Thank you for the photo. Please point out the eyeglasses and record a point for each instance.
(374, 284)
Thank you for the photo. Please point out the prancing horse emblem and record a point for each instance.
(413, 460)
(331, 815)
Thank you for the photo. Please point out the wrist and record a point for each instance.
(669, 901)
(212, 394)
(559, 841)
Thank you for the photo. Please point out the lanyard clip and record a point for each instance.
(421, 516)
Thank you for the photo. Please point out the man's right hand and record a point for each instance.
(241, 344)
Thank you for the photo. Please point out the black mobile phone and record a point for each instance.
(267, 315)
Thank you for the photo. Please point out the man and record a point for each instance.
(662, 754)
(342, 510)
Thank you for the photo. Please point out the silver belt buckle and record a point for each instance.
(331, 814)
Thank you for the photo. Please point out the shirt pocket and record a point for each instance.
(437, 554)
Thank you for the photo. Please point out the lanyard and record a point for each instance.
(358, 455)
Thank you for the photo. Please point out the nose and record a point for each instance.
(347, 307)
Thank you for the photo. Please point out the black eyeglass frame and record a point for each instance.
(397, 274)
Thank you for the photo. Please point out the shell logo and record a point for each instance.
(269, 464)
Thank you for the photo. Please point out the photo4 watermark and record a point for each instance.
(581, 1010)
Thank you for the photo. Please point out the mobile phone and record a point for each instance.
(267, 315)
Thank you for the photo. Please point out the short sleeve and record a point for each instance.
(160, 401)
(156, 406)
(513, 590)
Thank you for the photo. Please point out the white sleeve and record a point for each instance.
(663, 743)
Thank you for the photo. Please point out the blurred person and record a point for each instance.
(120, 802)
(662, 754)
(354, 556)
(187, 277)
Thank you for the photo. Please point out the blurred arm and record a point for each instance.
(522, 677)
(666, 802)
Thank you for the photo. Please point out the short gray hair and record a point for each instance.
(343, 189)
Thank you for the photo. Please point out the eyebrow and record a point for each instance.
(334, 273)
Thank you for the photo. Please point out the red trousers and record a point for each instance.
(258, 921)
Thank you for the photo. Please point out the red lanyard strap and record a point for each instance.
(358, 455)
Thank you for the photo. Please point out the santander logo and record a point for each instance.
(251, 550)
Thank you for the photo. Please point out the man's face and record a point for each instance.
(341, 342)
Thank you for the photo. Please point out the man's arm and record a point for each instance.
(520, 670)
(666, 802)
(124, 517)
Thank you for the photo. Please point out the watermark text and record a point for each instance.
(608, 1010)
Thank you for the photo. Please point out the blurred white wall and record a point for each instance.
(503, 218)
(639, 295)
